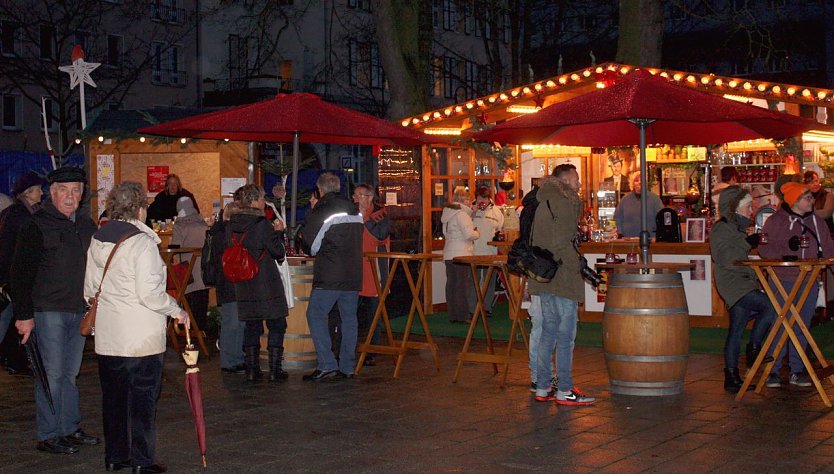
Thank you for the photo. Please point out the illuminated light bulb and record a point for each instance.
(405, 122)
(226, 140)
(806, 93)
(100, 138)
(515, 93)
(426, 117)
(469, 105)
(776, 90)
(436, 115)
(600, 85)
(492, 99)
(526, 90)
(653, 71)
(719, 82)
(458, 109)
(705, 80)
(761, 87)
(678, 76)
(448, 112)
(575, 76)
(415, 120)
(690, 78)
(747, 86)
(732, 83)
(821, 95)
(538, 87)
(791, 90)
(664, 74)
(503, 96)
(562, 80)
(142, 139)
(624, 70)
(77, 141)
(183, 140)
(480, 103)
(598, 70)
(586, 73)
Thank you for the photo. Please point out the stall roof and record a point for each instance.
(500, 106)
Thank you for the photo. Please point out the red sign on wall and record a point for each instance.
(156, 178)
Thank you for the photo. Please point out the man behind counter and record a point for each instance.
(627, 214)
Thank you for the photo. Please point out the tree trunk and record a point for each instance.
(404, 35)
(641, 32)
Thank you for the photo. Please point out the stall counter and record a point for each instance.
(706, 308)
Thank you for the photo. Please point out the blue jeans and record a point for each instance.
(807, 314)
(754, 305)
(231, 336)
(5, 320)
(318, 307)
(535, 312)
(559, 327)
(61, 346)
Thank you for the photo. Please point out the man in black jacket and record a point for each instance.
(333, 234)
(48, 293)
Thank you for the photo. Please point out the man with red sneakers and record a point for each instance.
(554, 229)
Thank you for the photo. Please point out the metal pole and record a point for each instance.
(645, 236)
(294, 195)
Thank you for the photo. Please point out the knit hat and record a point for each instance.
(729, 200)
(792, 191)
(185, 207)
(67, 174)
(25, 182)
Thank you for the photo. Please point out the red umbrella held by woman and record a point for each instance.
(195, 393)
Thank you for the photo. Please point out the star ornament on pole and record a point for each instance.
(79, 72)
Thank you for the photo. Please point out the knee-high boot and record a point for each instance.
(251, 357)
(276, 373)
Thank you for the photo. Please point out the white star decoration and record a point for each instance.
(79, 72)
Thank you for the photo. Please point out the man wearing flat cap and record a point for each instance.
(794, 230)
(27, 190)
(48, 293)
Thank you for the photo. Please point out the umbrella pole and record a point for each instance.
(294, 195)
(644, 200)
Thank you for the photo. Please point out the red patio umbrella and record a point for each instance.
(299, 117)
(195, 393)
(640, 108)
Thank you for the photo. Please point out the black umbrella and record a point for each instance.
(38, 370)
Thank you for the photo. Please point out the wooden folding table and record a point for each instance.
(399, 348)
(809, 272)
(180, 285)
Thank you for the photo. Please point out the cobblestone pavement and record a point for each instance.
(423, 422)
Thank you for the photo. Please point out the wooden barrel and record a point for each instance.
(645, 333)
(299, 351)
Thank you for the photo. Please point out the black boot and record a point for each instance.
(251, 357)
(732, 382)
(753, 352)
(276, 373)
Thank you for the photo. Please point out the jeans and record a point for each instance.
(458, 285)
(130, 387)
(559, 327)
(61, 347)
(754, 305)
(319, 305)
(535, 312)
(231, 336)
(489, 294)
(806, 313)
(255, 329)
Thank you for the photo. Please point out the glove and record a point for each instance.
(793, 243)
(753, 240)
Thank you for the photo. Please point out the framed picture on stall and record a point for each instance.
(696, 229)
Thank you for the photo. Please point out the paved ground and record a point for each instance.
(425, 423)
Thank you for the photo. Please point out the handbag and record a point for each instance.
(88, 322)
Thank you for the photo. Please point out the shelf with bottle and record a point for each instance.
(752, 165)
(760, 174)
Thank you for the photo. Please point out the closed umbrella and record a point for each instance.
(644, 108)
(38, 370)
(195, 393)
(296, 118)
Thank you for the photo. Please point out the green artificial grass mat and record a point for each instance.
(701, 340)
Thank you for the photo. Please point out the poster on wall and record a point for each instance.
(156, 179)
(104, 178)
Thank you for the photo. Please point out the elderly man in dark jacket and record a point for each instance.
(737, 284)
(261, 298)
(333, 234)
(48, 293)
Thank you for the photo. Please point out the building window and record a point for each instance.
(437, 76)
(115, 50)
(156, 62)
(360, 4)
(450, 77)
(468, 19)
(449, 15)
(47, 42)
(9, 38)
(365, 65)
(176, 74)
(435, 13)
(11, 112)
(471, 79)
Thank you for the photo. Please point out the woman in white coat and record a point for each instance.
(459, 233)
(132, 317)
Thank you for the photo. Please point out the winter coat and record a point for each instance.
(164, 205)
(225, 290)
(190, 231)
(133, 306)
(47, 272)
(554, 228)
(488, 222)
(375, 238)
(727, 245)
(332, 233)
(784, 224)
(458, 231)
(12, 219)
(263, 296)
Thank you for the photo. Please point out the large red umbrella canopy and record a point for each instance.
(279, 119)
(681, 116)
